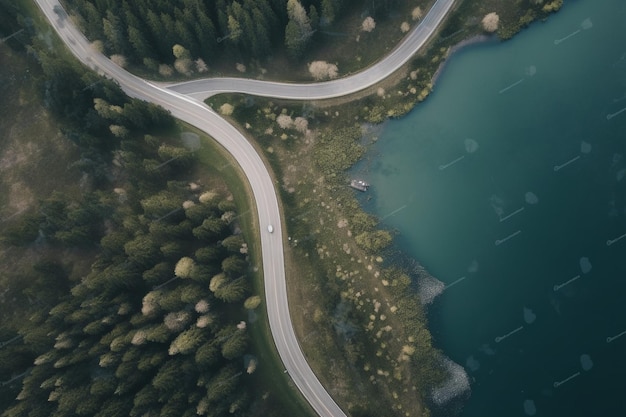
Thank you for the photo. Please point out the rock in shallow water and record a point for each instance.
(529, 408)
(531, 198)
(471, 145)
(585, 147)
(529, 316)
(585, 265)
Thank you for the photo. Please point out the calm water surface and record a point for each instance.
(510, 183)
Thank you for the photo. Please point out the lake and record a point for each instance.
(509, 185)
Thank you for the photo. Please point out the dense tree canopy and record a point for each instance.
(134, 326)
(182, 32)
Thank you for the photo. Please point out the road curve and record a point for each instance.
(203, 88)
(196, 113)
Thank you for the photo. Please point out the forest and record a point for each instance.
(203, 31)
(157, 323)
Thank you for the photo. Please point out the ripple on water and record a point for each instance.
(585, 265)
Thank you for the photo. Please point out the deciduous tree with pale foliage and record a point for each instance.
(177, 321)
(184, 267)
(207, 196)
(226, 109)
(252, 302)
(301, 124)
(119, 60)
(322, 70)
(180, 52)
(202, 306)
(284, 121)
(150, 304)
(97, 46)
(165, 70)
(201, 66)
(183, 66)
(368, 24)
(416, 13)
(490, 22)
(119, 131)
(552, 6)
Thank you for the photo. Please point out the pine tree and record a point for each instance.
(235, 343)
(298, 31)
(328, 12)
(114, 33)
(139, 43)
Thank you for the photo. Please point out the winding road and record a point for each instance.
(184, 102)
(207, 87)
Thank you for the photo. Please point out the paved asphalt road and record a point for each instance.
(203, 88)
(196, 113)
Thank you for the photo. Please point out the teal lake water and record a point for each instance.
(509, 182)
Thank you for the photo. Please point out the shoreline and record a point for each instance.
(474, 40)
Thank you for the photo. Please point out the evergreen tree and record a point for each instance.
(328, 12)
(114, 33)
(298, 31)
(235, 342)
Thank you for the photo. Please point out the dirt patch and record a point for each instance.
(34, 161)
(35, 158)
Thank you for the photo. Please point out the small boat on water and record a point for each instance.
(359, 185)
